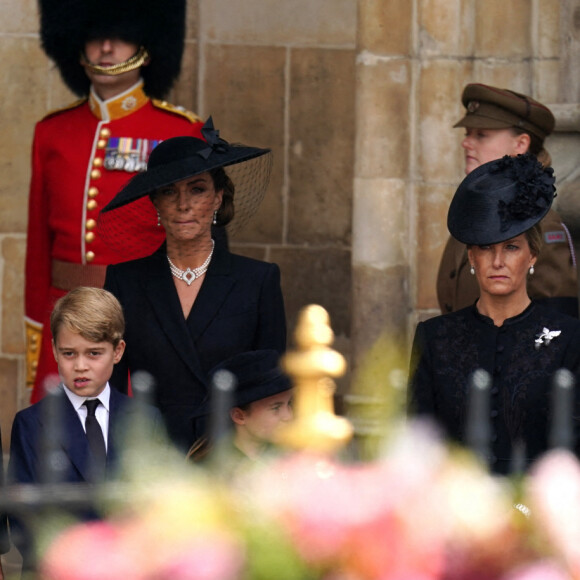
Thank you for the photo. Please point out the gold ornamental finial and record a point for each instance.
(312, 366)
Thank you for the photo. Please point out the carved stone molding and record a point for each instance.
(564, 147)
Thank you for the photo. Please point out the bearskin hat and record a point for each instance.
(158, 25)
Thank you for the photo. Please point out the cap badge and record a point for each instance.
(472, 106)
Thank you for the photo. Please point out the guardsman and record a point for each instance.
(501, 122)
(121, 62)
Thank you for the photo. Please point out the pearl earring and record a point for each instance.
(158, 219)
(214, 222)
(532, 270)
(472, 270)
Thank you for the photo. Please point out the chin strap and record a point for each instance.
(135, 62)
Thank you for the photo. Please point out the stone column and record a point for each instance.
(564, 143)
(380, 252)
(569, 40)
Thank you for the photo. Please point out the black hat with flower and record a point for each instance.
(500, 200)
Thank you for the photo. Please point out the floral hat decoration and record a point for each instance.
(500, 200)
(130, 215)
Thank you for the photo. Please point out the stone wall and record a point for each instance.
(413, 60)
(26, 87)
(356, 99)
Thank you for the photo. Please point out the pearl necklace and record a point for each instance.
(189, 275)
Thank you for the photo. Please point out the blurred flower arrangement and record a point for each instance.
(420, 512)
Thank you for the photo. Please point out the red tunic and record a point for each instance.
(82, 156)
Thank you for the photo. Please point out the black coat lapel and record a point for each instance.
(164, 301)
(117, 420)
(122, 417)
(216, 287)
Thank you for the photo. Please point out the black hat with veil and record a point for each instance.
(131, 212)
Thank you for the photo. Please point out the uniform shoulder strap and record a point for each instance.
(72, 105)
(176, 110)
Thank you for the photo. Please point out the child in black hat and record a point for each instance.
(261, 402)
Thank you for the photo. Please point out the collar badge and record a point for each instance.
(129, 103)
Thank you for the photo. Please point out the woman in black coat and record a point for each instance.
(521, 344)
(192, 304)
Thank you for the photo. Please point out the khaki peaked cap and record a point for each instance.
(493, 108)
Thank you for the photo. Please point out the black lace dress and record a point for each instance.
(448, 349)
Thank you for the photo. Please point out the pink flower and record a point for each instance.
(554, 494)
(91, 551)
(543, 570)
(211, 557)
(102, 551)
(373, 521)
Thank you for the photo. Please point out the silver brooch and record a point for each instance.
(546, 336)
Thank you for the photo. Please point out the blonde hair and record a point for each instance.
(93, 313)
(536, 147)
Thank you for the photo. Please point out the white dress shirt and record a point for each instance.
(101, 413)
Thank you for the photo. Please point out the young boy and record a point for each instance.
(262, 402)
(81, 421)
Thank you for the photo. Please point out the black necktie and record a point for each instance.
(96, 439)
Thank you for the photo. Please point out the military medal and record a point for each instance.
(128, 154)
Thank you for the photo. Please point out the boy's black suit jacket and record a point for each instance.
(27, 451)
